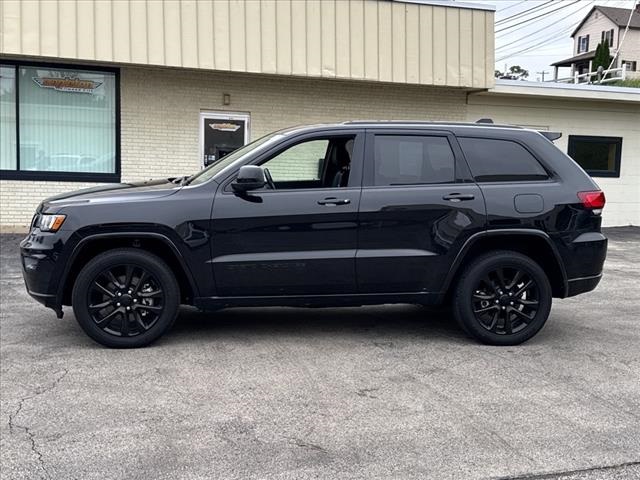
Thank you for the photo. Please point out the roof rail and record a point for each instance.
(484, 120)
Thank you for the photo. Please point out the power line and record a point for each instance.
(582, 5)
(538, 16)
(524, 12)
(528, 49)
(544, 42)
(511, 6)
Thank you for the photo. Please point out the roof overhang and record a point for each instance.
(583, 57)
(564, 90)
(450, 4)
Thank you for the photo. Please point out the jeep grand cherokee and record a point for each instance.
(494, 219)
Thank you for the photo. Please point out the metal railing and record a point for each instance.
(601, 76)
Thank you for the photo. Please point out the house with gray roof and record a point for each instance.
(605, 23)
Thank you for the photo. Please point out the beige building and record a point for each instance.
(115, 90)
(96, 91)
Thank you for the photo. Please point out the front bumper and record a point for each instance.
(39, 254)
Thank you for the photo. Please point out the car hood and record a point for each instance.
(118, 192)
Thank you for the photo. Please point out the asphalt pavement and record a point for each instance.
(355, 393)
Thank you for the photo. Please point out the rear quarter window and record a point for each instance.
(495, 160)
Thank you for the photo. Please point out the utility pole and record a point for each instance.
(543, 73)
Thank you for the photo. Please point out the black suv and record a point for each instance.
(494, 219)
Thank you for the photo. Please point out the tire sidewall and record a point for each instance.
(153, 265)
(463, 306)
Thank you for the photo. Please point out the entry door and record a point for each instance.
(299, 239)
(221, 133)
(417, 209)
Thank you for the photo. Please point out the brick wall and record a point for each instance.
(160, 113)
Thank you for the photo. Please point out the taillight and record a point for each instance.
(594, 200)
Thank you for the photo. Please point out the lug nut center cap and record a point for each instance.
(126, 300)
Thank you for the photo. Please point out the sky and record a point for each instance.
(544, 40)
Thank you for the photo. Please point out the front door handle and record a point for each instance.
(457, 197)
(334, 201)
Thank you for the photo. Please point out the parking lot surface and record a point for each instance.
(358, 393)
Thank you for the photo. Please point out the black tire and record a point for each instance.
(497, 305)
(126, 298)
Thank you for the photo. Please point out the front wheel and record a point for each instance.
(126, 298)
(502, 298)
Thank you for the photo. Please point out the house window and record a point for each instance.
(599, 156)
(58, 123)
(608, 36)
(583, 44)
(632, 65)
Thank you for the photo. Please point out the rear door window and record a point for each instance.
(494, 160)
(413, 160)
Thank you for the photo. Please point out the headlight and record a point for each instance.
(49, 223)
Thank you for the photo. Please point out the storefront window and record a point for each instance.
(599, 156)
(8, 145)
(66, 124)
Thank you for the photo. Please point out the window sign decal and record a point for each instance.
(225, 127)
(67, 84)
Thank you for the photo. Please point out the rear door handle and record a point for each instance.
(457, 197)
(334, 201)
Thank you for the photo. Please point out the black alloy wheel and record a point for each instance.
(502, 298)
(126, 298)
(506, 300)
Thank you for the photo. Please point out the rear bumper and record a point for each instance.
(577, 286)
(586, 257)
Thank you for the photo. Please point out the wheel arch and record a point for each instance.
(535, 244)
(161, 245)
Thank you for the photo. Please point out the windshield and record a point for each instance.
(212, 170)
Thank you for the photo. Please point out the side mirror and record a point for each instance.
(250, 177)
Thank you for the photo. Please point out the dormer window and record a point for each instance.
(583, 44)
(608, 36)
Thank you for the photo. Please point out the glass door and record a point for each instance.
(221, 133)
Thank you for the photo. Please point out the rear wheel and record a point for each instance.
(126, 298)
(502, 298)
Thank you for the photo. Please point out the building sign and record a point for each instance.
(67, 84)
(225, 127)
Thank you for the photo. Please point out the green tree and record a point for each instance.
(602, 57)
(518, 72)
(515, 72)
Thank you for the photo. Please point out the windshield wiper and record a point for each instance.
(179, 180)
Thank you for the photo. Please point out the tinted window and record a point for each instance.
(407, 160)
(599, 156)
(493, 160)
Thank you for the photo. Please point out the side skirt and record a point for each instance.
(355, 300)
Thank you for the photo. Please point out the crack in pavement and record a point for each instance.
(26, 428)
(307, 445)
(549, 475)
